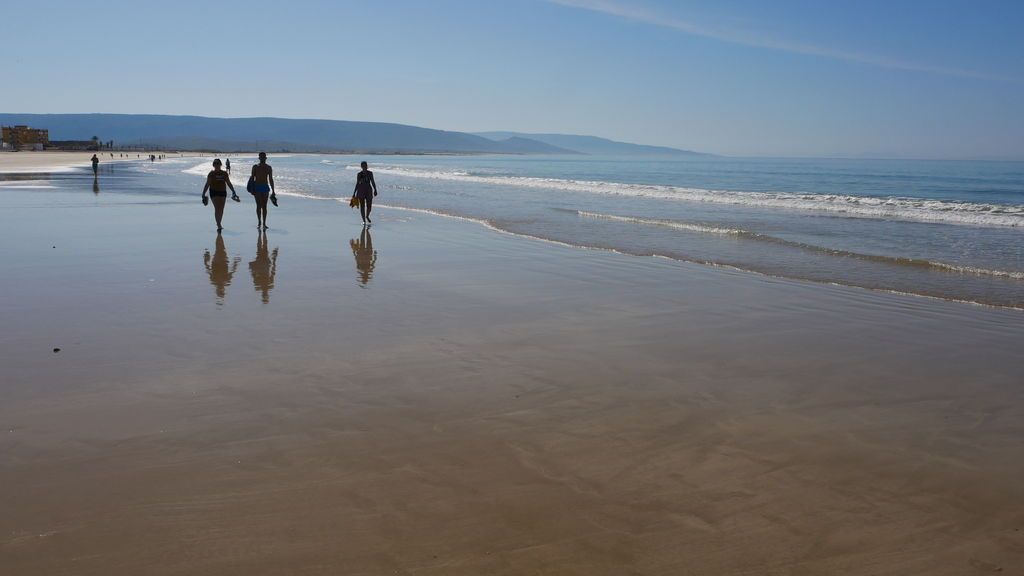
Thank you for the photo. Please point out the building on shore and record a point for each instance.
(24, 138)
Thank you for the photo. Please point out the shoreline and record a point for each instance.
(71, 162)
(435, 398)
(484, 223)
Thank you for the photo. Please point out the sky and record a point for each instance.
(855, 78)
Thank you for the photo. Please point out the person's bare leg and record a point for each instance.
(362, 209)
(218, 209)
(369, 206)
(263, 207)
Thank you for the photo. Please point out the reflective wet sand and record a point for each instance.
(444, 399)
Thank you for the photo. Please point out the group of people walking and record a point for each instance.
(261, 186)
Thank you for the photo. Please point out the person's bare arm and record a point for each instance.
(207, 187)
(373, 183)
(270, 178)
(232, 186)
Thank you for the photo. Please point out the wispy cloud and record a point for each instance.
(745, 38)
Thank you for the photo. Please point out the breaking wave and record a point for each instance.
(899, 208)
(756, 236)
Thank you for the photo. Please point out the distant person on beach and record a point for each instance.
(365, 190)
(227, 165)
(218, 182)
(263, 189)
(95, 165)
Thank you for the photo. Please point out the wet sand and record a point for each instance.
(438, 398)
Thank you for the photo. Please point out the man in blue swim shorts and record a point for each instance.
(263, 178)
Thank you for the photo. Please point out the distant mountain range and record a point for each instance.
(283, 134)
(592, 144)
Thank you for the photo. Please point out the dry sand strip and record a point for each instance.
(21, 162)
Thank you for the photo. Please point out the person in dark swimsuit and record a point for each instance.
(365, 190)
(218, 182)
(95, 165)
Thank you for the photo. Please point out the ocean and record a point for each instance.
(944, 229)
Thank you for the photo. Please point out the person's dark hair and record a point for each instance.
(363, 164)
(263, 154)
(216, 161)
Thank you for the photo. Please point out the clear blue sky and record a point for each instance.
(878, 78)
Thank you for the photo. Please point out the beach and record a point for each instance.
(52, 161)
(438, 396)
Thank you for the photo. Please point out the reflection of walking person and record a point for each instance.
(219, 268)
(263, 268)
(95, 165)
(364, 192)
(366, 256)
(218, 182)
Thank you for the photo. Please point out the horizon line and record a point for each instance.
(833, 156)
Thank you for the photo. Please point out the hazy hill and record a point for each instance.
(593, 144)
(230, 134)
(279, 134)
(528, 146)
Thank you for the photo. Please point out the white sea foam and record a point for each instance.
(241, 164)
(709, 229)
(281, 192)
(975, 271)
(924, 210)
(199, 169)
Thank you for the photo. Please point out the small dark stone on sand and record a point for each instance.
(55, 350)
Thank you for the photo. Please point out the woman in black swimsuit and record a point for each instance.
(364, 191)
(218, 182)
